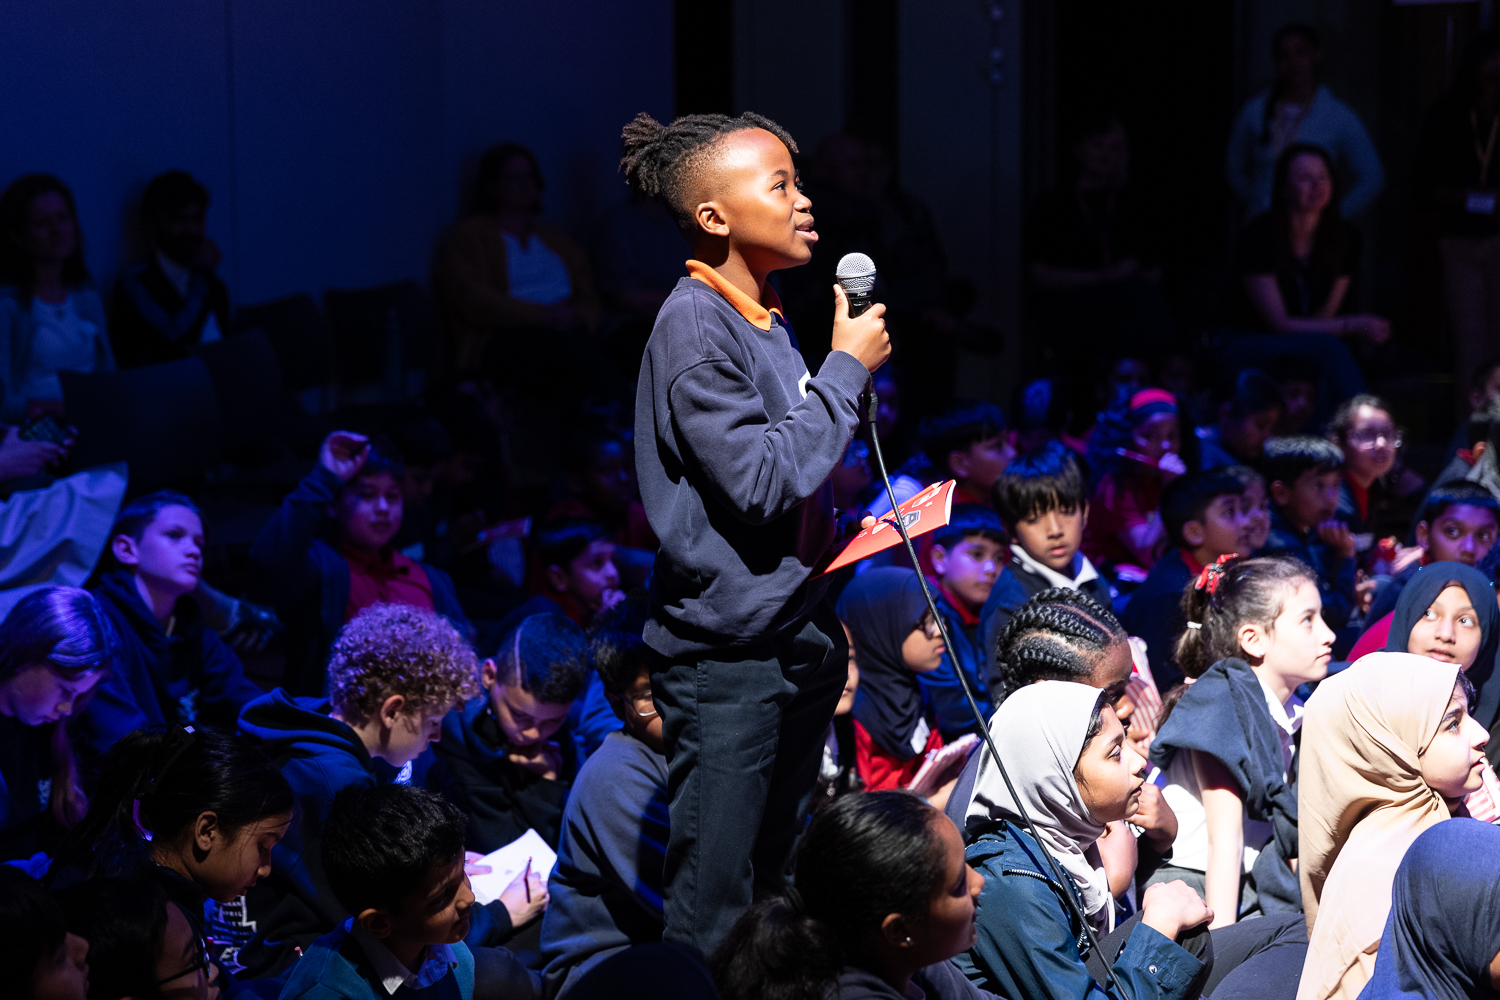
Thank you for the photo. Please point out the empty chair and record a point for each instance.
(298, 334)
(381, 336)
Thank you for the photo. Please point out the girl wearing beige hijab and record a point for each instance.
(1388, 750)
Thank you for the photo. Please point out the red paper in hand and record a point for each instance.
(927, 511)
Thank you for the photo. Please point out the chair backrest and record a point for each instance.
(247, 381)
(298, 333)
(161, 419)
(380, 334)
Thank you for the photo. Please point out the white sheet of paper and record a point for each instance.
(510, 861)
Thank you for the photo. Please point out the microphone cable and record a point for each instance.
(984, 729)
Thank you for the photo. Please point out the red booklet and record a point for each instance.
(927, 511)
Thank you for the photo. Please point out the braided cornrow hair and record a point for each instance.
(1058, 635)
(660, 161)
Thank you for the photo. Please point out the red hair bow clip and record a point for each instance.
(1214, 572)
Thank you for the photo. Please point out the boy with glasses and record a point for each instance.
(607, 885)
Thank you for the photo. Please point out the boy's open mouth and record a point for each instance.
(806, 231)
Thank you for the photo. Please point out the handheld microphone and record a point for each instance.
(856, 276)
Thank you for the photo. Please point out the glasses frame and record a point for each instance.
(204, 961)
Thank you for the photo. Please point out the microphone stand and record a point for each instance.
(989, 741)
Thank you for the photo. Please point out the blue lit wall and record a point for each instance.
(335, 135)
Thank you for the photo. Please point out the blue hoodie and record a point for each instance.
(470, 767)
(295, 905)
(187, 675)
(335, 966)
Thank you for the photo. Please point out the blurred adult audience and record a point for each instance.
(1298, 109)
(51, 316)
(172, 302)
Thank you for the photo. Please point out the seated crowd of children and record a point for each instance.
(1160, 712)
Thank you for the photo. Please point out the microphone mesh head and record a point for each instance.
(856, 273)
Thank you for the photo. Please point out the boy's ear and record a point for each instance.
(710, 219)
(557, 578)
(1085, 513)
(126, 550)
(939, 558)
(1280, 492)
(959, 464)
(1423, 532)
(377, 923)
(1193, 533)
(488, 672)
(616, 703)
(390, 710)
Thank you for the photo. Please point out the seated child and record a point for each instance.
(140, 943)
(505, 757)
(1297, 379)
(1390, 751)
(1043, 501)
(967, 555)
(395, 862)
(1257, 504)
(606, 890)
(42, 958)
(573, 573)
(838, 774)
(395, 672)
(1227, 747)
(55, 645)
(895, 641)
(1303, 475)
(602, 488)
(1134, 452)
(197, 810)
(172, 667)
(1365, 432)
(1247, 420)
(1458, 522)
(880, 901)
(327, 554)
(1204, 514)
(1064, 635)
(967, 443)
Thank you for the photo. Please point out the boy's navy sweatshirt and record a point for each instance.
(1155, 614)
(187, 675)
(1335, 572)
(607, 886)
(295, 904)
(337, 968)
(735, 442)
(942, 692)
(307, 581)
(470, 766)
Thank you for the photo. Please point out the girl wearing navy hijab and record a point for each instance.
(895, 639)
(1442, 938)
(1448, 613)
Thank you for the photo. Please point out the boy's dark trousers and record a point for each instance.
(744, 732)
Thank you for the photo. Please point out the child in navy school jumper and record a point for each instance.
(327, 554)
(735, 445)
(606, 890)
(1246, 420)
(1303, 478)
(506, 757)
(55, 645)
(171, 667)
(1205, 517)
(1042, 499)
(573, 573)
(395, 672)
(967, 556)
(395, 863)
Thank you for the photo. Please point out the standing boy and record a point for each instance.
(735, 443)
(1205, 517)
(1042, 499)
(1303, 476)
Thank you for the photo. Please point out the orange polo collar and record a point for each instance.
(758, 315)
